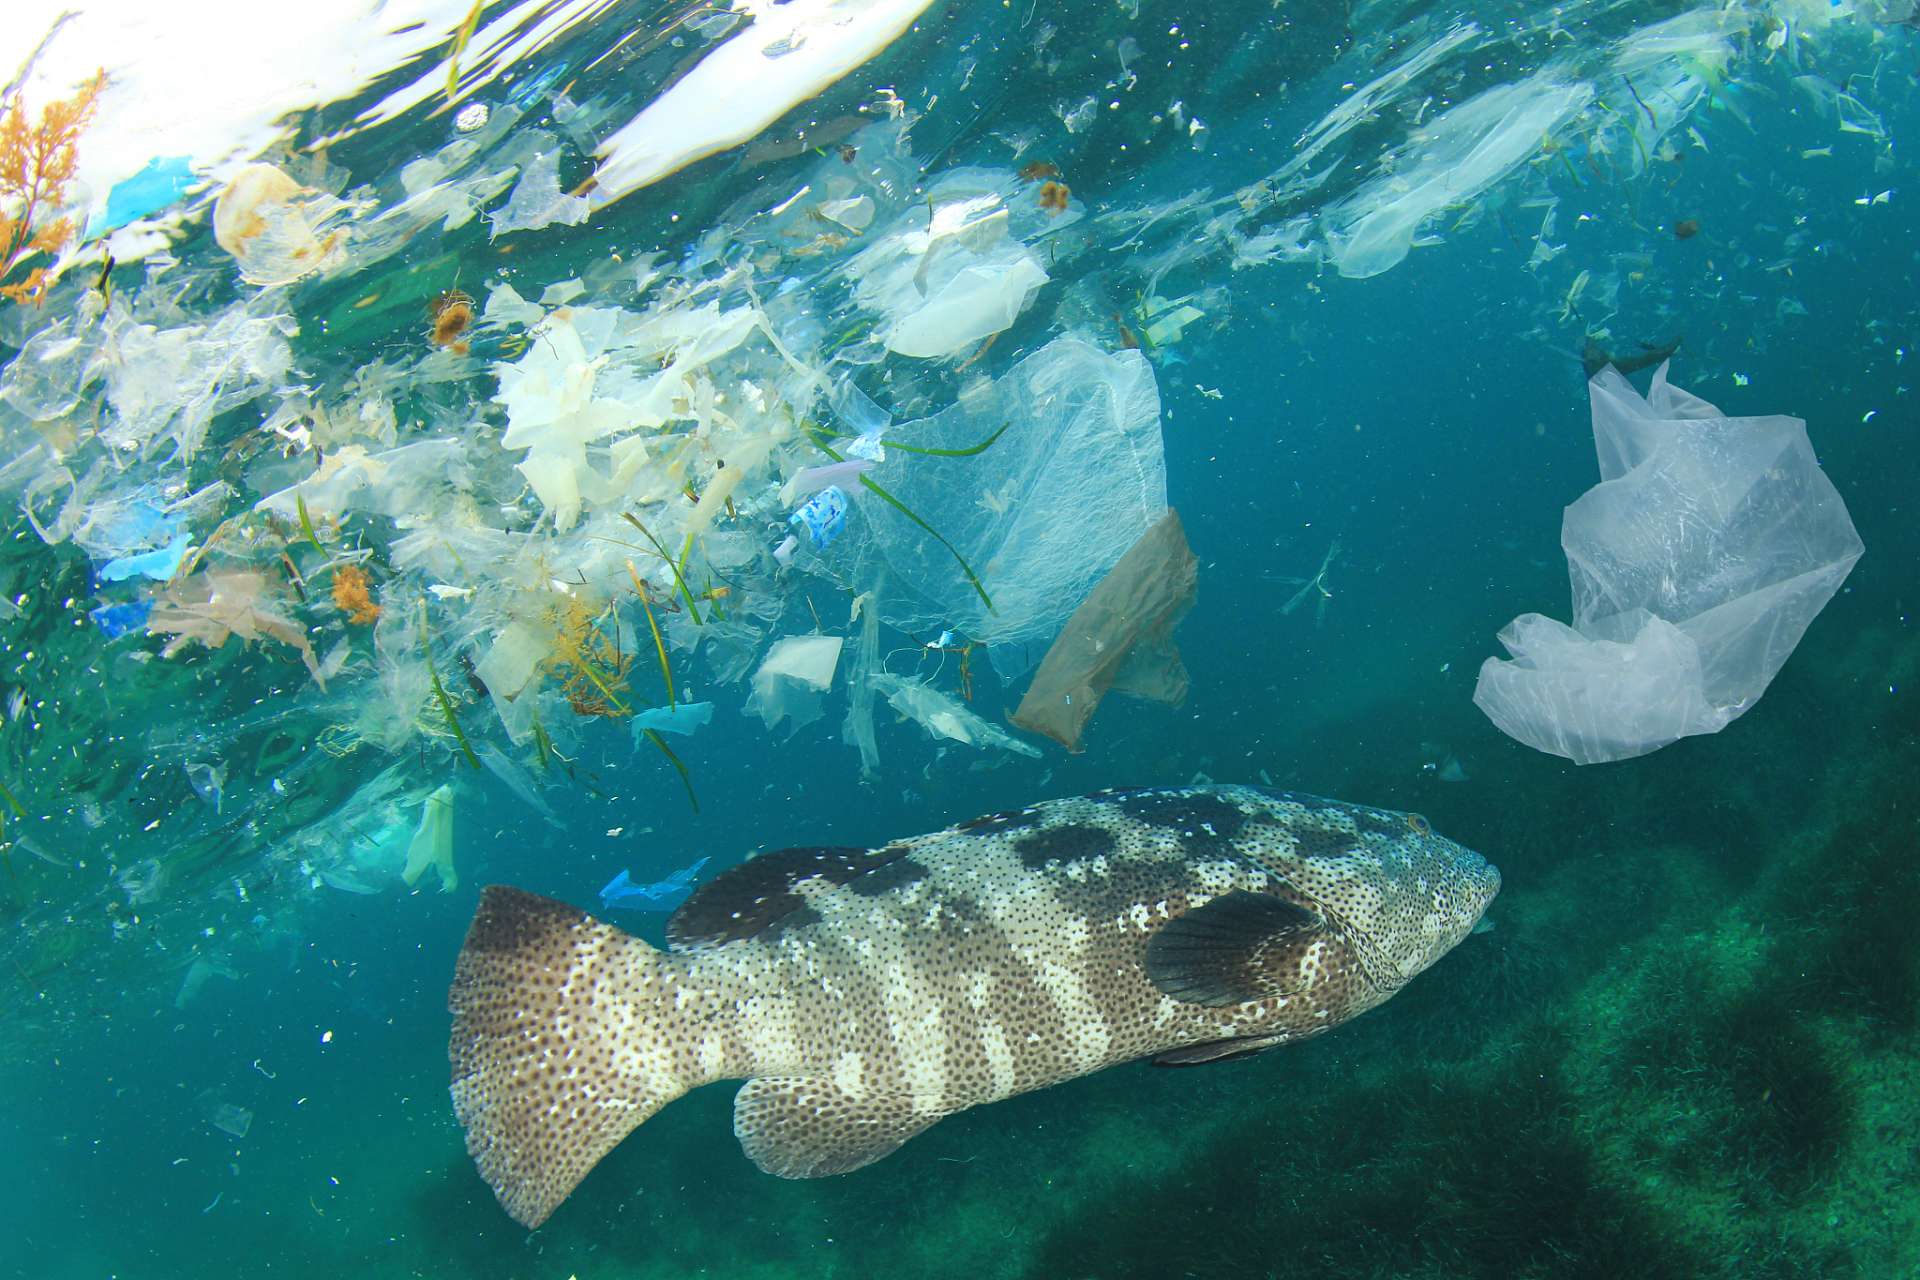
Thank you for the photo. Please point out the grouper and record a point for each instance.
(865, 994)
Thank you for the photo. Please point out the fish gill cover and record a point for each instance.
(414, 439)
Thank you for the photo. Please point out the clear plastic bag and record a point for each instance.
(1697, 564)
(1040, 516)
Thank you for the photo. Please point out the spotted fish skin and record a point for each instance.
(864, 994)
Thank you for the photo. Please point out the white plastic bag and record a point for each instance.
(1697, 563)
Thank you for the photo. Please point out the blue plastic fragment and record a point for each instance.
(164, 180)
(823, 516)
(159, 564)
(662, 895)
(682, 719)
(118, 619)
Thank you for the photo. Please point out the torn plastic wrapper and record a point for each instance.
(661, 895)
(117, 620)
(1120, 638)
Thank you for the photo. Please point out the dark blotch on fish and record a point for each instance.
(1074, 842)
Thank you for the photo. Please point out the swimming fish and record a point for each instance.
(1594, 357)
(865, 994)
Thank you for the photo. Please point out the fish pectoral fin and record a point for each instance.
(1238, 947)
(803, 1127)
(1195, 1055)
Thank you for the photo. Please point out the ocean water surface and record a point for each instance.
(409, 485)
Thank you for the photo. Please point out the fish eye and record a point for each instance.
(1419, 823)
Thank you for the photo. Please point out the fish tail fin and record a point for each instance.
(559, 1044)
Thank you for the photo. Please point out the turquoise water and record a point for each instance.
(1687, 1045)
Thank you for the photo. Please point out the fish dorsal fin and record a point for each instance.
(804, 1127)
(776, 888)
(1237, 947)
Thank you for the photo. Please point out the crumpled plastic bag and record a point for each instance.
(1697, 564)
(213, 605)
(1040, 515)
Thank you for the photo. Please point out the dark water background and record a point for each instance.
(1687, 1047)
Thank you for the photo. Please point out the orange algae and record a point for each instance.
(36, 164)
(452, 315)
(350, 595)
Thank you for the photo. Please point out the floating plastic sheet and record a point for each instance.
(164, 180)
(857, 730)
(214, 1109)
(519, 781)
(1040, 516)
(171, 383)
(401, 484)
(942, 717)
(1461, 153)
(53, 370)
(1697, 564)
(123, 526)
(209, 783)
(537, 200)
(788, 685)
(235, 1120)
(1121, 638)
